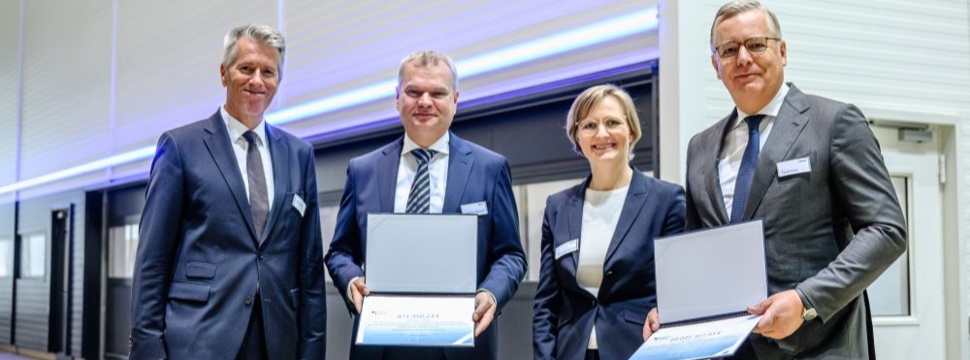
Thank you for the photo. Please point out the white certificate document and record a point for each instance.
(425, 321)
(710, 273)
(705, 281)
(703, 340)
(421, 271)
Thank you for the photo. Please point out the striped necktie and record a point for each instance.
(419, 199)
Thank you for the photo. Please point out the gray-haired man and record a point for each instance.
(229, 259)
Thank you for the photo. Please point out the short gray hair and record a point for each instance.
(428, 58)
(263, 34)
(740, 6)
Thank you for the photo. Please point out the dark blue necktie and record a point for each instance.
(749, 161)
(419, 199)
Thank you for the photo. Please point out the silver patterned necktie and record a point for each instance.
(419, 199)
(258, 195)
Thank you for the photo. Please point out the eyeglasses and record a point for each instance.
(755, 45)
(590, 127)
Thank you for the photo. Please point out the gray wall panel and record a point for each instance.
(35, 216)
(9, 87)
(66, 91)
(6, 308)
(32, 314)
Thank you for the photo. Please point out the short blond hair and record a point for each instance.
(589, 98)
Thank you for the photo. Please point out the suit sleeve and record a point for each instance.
(346, 251)
(863, 192)
(674, 220)
(506, 258)
(691, 217)
(548, 301)
(158, 243)
(313, 303)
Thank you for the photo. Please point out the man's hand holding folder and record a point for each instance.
(484, 311)
(782, 315)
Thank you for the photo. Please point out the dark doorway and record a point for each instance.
(60, 299)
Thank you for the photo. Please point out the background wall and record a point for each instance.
(106, 77)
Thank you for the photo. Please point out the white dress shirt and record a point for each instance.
(737, 139)
(601, 213)
(240, 147)
(437, 174)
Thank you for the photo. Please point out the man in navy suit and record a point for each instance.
(460, 177)
(229, 259)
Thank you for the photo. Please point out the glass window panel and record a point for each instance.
(33, 259)
(6, 257)
(889, 295)
(328, 223)
(122, 246)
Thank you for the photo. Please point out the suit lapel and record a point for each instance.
(570, 222)
(387, 167)
(710, 163)
(279, 151)
(460, 162)
(635, 198)
(788, 124)
(217, 142)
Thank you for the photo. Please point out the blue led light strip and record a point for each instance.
(615, 28)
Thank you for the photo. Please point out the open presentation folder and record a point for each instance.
(421, 272)
(705, 282)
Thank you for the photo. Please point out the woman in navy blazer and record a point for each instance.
(597, 273)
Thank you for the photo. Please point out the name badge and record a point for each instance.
(793, 167)
(298, 204)
(478, 208)
(566, 248)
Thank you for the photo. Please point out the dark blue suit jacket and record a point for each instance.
(475, 174)
(565, 312)
(199, 259)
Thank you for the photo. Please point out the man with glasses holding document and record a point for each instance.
(430, 170)
(811, 170)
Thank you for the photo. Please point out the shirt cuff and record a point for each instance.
(494, 300)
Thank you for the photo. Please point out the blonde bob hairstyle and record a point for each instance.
(589, 98)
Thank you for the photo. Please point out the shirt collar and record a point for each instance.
(237, 128)
(440, 146)
(771, 109)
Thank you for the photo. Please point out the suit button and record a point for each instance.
(609, 273)
(260, 256)
(249, 300)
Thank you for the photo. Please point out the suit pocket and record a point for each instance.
(200, 270)
(189, 292)
(295, 298)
